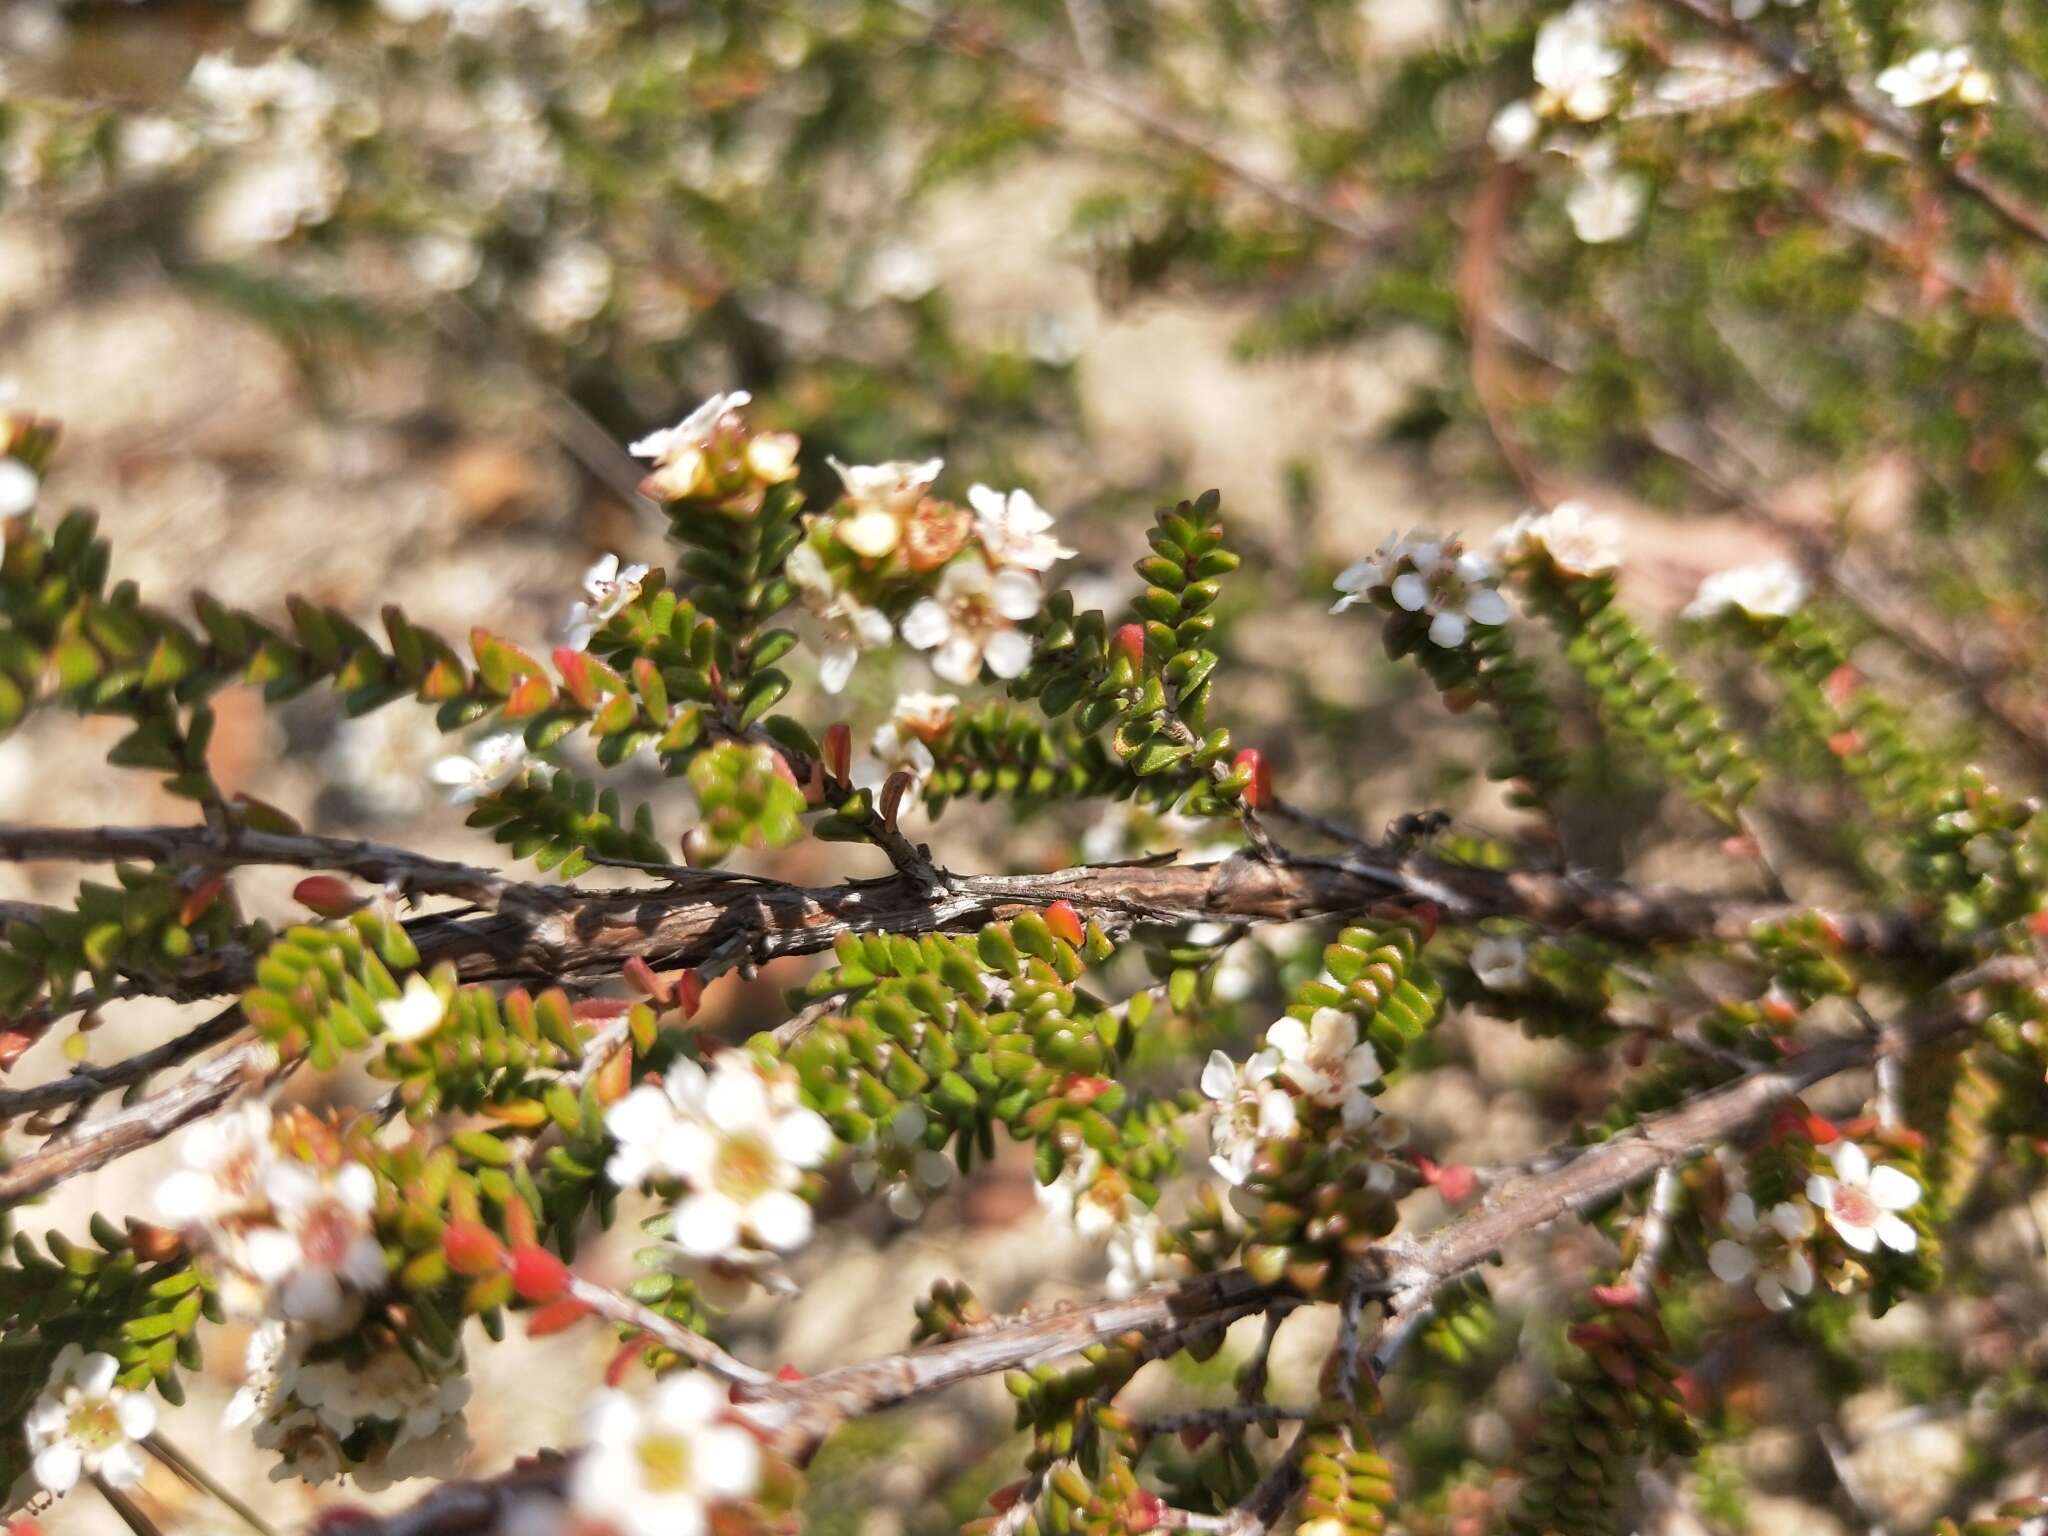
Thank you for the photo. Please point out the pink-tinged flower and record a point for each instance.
(1862, 1200)
(1015, 530)
(1250, 1108)
(1769, 1253)
(321, 1256)
(972, 619)
(656, 1468)
(82, 1423)
(1327, 1061)
(678, 452)
(226, 1161)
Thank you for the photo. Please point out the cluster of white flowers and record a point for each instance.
(491, 764)
(1767, 591)
(608, 589)
(1571, 536)
(1434, 576)
(81, 1423)
(1934, 75)
(277, 116)
(711, 441)
(296, 1238)
(1768, 1250)
(737, 1141)
(1098, 1203)
(657, 1468)
(305, 1409)
(1321, 1063)
(480, 18)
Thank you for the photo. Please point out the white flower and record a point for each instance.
(1862, 1201)
(321, 1257)
(1768, 591)
(82, 1422)
(1250, 1108)
(741, 1143)
(391, 1387)
(1605, 204)
(267, 197)
(1500, 962)
(445, 263)
(489, 766)
(1327, 1061)
(1575, 64)
(226, 1161)
(1704, 75)
(898, 1163)
(150, 143)
(1933, 73)
(652, 1469)
(893, 750)
(1577, 540)
(970, 621)
(1360, 579)
(879, 499)
(377, 760)
(610, 590)
(924, 715)
(1449, 584)
(1014, 529)
(1768, 1252)
(19, 487)
(263, 1362)
(1090, 1198)
(902, 272)
(415, 1014)
(570, 288)
(678, 451)
(851, 626)
(1135, 1256)
(1512, 133)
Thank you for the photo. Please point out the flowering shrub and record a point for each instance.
(1688, 253)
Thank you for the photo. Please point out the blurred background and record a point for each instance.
(363, 301)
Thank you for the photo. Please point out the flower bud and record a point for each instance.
(538, 1275)
(678, 479)
(771, 457)
(472, 1249)
(838, 750)
(1130, 639)
(1258, 790)
(689, 991)
(328, 895)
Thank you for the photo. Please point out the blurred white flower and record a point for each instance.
(570, 288)
(1250, 1108)
(902, 272)
(1512, 133)
(893, 749)
(1090, 1198)
(1575, 64)
(1136, 1256)
(415, 1014)
(19, 487)
(1451, 585)
(1015, 530)
(1933, 73)
(1862, 1200)
(1768, 591)
(609, 589)
(1327, 1061)
(1605, 203)
(226, 1160)
(655, 1469)
(850, 626)
(678, 451)
(266, 198)
(901, 1166)
(880, 498)
(1769, 1253)
(263, 1360)
(321, 1256)
(147, 142)
(925, 715)
(280, 98)
(1360, 579)
(972, 619)
(445, 263)
(1500, 962)
(1577, 540)
(489, 766)
(82, 1423)
(379, 760)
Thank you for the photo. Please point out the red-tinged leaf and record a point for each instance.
(555, 1317)
(446, 679)
(528, 698)
(1258, 789)
(1456, 1182)
(472, 1249)
(1065, 922)
(328, 895)
(501, 664)
(1843, 743)
(200, 897)
(1143, 1510)
(154, 1244)
(1005, 1498)
(1428, 916)
(574, 667)
(1620, 1295)
(623, 1357)
(649, 980)
(1840, 685)
(838, 751)
(689, 992)
(1195, 1436)
(1085, 1090)
(614, 1079)
(1591, 1335)
(338, 1519)
(520, 1228)
(894, 788)
(538, 1275)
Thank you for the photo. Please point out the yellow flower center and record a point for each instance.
(744, 1167)
(94, 1425)
(665, 1462)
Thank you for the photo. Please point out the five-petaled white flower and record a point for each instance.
(1575, 539)
(611, 589)
(678, 451)
(1512, 133)
(1768, 1251)
(1327, 1061)
(1090, 1198)
(19, 487)
(1768, 591)
(1014, 529)
(83, 1423)
(320, 1255)
(1250, 1108)
(226, 1161)
(1449, 584)
(898, 1163)
(880, 499)
(1862, 1201)
(972, 619)
(1360, 579)
(416, 1013)
(850, 625)
(1575, 64)
(1932, 74)
(1500, 962)
(489, 766)
(655, 1468)
(1605, 203)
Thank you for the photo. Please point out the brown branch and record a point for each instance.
(81, 1085)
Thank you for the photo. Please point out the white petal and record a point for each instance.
(1447, 629)
(958, 660)
(1016, 595)
(926, 625)
(95, 1374)
(137, 1414)
(835, 664)
(1410, 591)
(728, 1461)
(1289, 1036)
(1793, 1220)
(686, 1401)
(1731, 1262)
(1796, 1273)
(1896, 1234)
(18, 487)
(1893, 1189)
(121, 1466)
(1852, 1165)
(187, 1196)
(1862, 1239)
(737, 1099)
(1007, 653)
(1741, 1213)
(1772, 1294)
(802, 1137)
(1486, 606)
(57, 1466)
(781, 1220)
(270, 1253)
(357, 1187)
(707, 1225)
(1219, 1076)
(1820, 1189)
